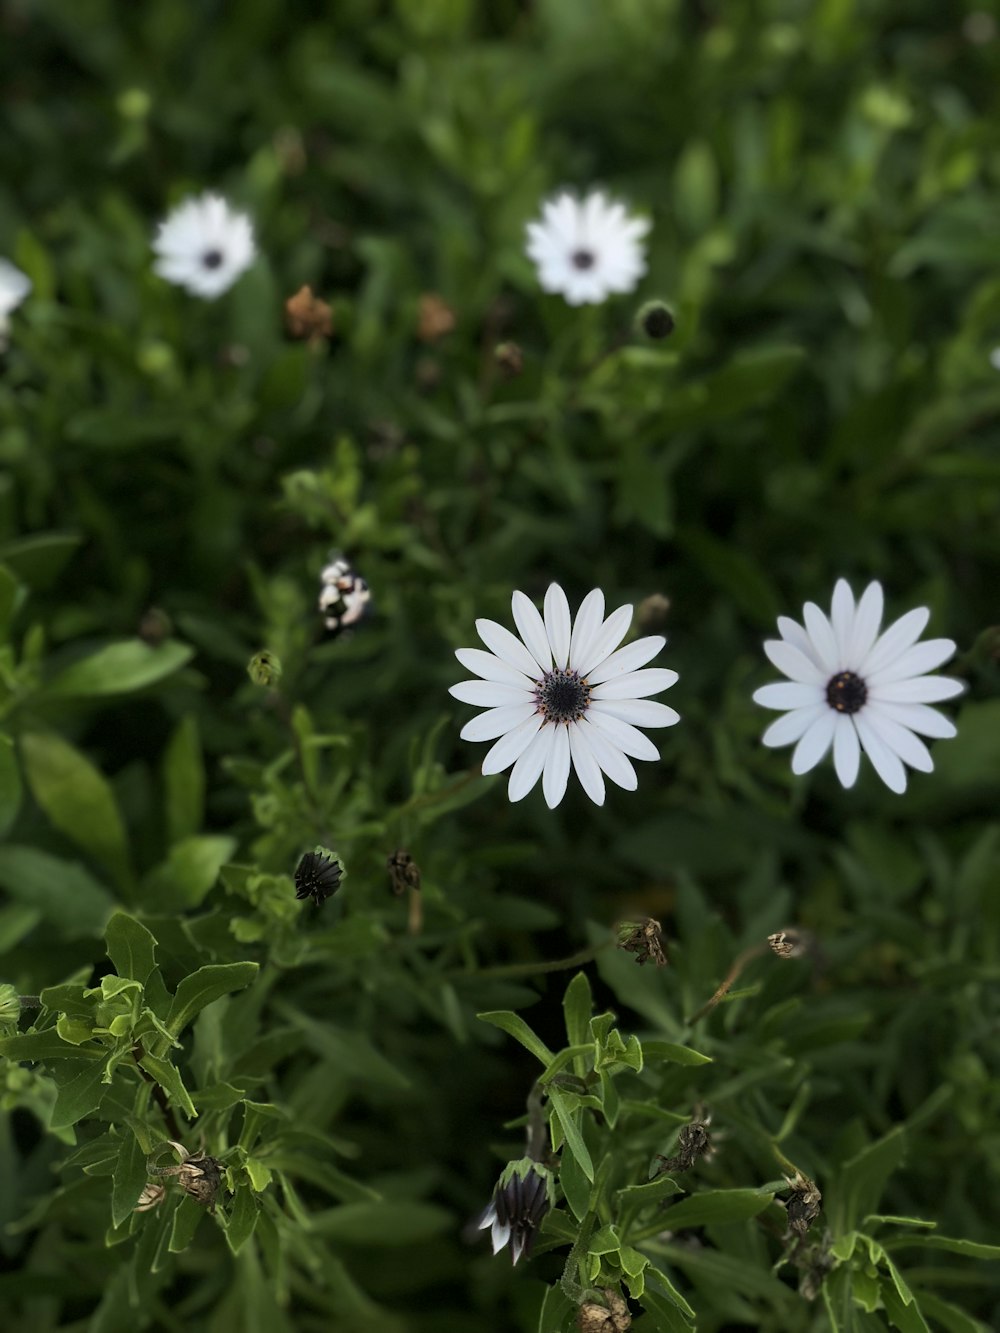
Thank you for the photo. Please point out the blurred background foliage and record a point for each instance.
(823, 179)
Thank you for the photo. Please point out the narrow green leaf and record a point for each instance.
(38, 560)
(575, 1185)
(711, 1206)
(77, 799)
(949, 1316)
(202, 987)
(662, 1314)
(80, 1093)
(10, 785)
(660, 1279)
(394, 1222)
(67, 895)
(120, 667)
(652, 1191)
(168, 1077)
(858, 1185)
(973, 1249)
(129, 1178)
(903, 1316)
(571, 1132)
(47, 1045)
(556, 1311)
(188, 1217)
(131, 947)
(184, 781)
(242, 1218)
(516, 1027)
(189, 872)
(668, 1050)
(577, 1006)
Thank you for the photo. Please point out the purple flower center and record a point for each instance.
(212, 258)
(846, 692)
(583, 259)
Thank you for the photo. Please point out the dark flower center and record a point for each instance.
(583, 259)
(212, 258)
(562, 696)
(846, 692)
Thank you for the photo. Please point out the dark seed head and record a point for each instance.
(583, 259)
(212, 258)
(563, 696)
(656, 320)
(317, 877)
(846, 692)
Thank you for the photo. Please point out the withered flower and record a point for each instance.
(644, 938)
(790, 943)
(804, 1203)
(306, 316)
(520, 1201)
(436, 318)
(151, 1197)
(612, 1317)
(692, 1142)
(403, 871)
(317, 877)
(197, 1174)
(653, 610)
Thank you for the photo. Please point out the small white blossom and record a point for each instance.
(204, 246)
(14, 287)
(344, 597)
(562, 694)
(587, 248)
(852, 688)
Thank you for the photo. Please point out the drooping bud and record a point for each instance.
(804, 1203)
(521, 1199)
(644, 938)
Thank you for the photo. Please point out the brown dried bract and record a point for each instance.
(403, 871)
(692, 1142)
(790, 943)
(613, 1317)
(804, 1203)
(306, 316)
(644, 938)
(151, 1197)
(436, 318)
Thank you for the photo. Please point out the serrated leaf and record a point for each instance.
(168, 1076)
(81, 1092)
(202, 987)
(516, 1027)
(242, 1218)
(188, 1216)
(131, 947)
(119, 668)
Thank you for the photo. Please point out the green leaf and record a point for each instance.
(668, 1050)
(577, 1006)
(605, 1241)
(189, 872)
(202, 987)
(556, 1311)
(81, 1091)
(905, 1317)
(390, 1223)
(662, 1314)
(77, 799)
(10, 785)
(168, 1077)
(858, 1185)
(575, 1185)
(129, 1178)
(973, 1249)
(131, 947)
(188, 1216)
(735, 572)
(712, 1206)
(949, 1316)
(67, 895)
(47, 1045)
(516, 1027)
(242, 1218)
(651, 1191)
(184, 781)
(38, 560)
(571, 1131)
(129, 664)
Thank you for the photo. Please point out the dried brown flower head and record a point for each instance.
(436, 318)
(804, 1203)
(509, 358)
(404, 872)
(306, 316)
(612, 1317)
(644, 938)
(790, 943)
(151, 1197)
(197, 1174)
(653, 610)
(692, 1142)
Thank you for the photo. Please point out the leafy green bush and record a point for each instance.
(347, 1082)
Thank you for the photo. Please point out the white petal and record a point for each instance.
(640, 712)
(900, 740)
(491, 668)
(488, 693)
(509, 649)
(511, 745)
(588, 770)
(499, 1235)
(913, 662)
(496, 722)
(793, 725)
(867, 619)
(846, 751)
(920, 690)
(586, 627)
(627, 659)
(556, 773)
(895, 641)
(822, 636)
(636, 684)
(528, 768)
(842, 620)
(557, 624)
(794, 664)
(609, 756)
(621, 733)
(792, 632)
(531, 628)
(885, 763)
(608, 638)
(918, 717)
(788, 694)
(815, 743)
(488, 1218)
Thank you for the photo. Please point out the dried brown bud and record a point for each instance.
(613, 1317)
(692, 1142)
(653, 610)
(436, 318)
(509, 358)
(790, 943)
(151, 1197)
(306, 316)
(404, 872)
(197, 1174)
(644, 938)
(804, 1203)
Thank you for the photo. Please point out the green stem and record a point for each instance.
(530, 969)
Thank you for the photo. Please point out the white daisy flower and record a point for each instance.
(852, 688)
(14, 287)
(561, 693)
(587, 248)
(204, 246)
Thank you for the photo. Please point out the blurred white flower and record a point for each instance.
(344, 597)
(561, 693)
(850, 687)
(587, 248)
(14, 287)
(204, 246)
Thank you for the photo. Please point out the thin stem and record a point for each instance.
(530, 969)
(731, 977)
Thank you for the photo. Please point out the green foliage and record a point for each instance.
(222, 1107)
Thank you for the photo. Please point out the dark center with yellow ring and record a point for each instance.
(846, 692)
(562, 696)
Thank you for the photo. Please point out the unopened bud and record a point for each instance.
(656, 320)
(264, 668)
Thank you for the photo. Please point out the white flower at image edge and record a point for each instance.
(588, 248)
(561, 694)
(203, 245)
(14, 287)
(852, 688)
